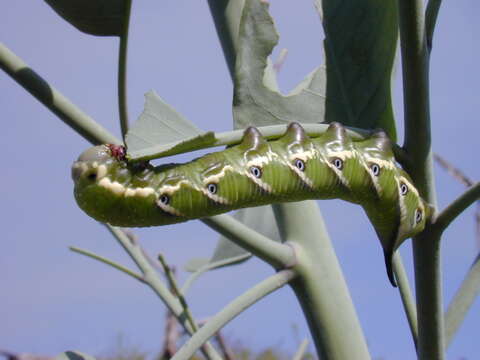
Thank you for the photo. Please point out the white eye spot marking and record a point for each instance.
(418, 216)
(403, 189)
(256, 171)
(375, 169)
(212, 188)
(300, 164)
(164, 199)
(338, 163)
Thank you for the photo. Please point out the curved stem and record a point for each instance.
(408, 301)
(122, 70)
(69, 113)
(108, 262)
(276, 254)
(233, 309)
(452, 211)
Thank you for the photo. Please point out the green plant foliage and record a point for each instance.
(94, 17)
(163, 131)
(256, 97)
(360, 46)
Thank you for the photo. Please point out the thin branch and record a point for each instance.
(452, 170)
(108, 262)
(431, 15)
(227, 352)
(69, 113)
(408, 301)
(176, 291)
(151, 278)
(301, 350)
(452, 211)
(233, 309)
(122, 70)
(276, 254)
(462, 301)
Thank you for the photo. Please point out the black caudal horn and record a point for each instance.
(389, 264)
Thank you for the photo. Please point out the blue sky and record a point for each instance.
(54, 300)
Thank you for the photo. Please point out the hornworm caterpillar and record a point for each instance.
(255, 172)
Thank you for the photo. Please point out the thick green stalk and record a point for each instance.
(122, 70)
(320, 286)
(426, 246)
(52, 99)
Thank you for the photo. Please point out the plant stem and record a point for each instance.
(276, 254)
(233, 309)
(320, 286)
(108, 262)
(452, 211)
(54, 100)
(234, 137)
(151, 278)
(426, 246)
(122, 70)
(462, 301)
(301, 350)
(406, 295)
(177, 293)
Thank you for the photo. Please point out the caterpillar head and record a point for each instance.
(91, 168)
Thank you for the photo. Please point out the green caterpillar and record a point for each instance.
(255, 172)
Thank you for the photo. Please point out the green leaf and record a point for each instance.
(353, 87)
(161, 131)
(360, 47)
(257, 100)
(94, 17)
(73, 355)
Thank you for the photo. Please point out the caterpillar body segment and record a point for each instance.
(255, 172)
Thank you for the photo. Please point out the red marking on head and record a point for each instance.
(118, 151)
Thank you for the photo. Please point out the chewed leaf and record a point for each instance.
(73, 355)
(161, 131)
(352, 87)
(257, 100)
(94, 17)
